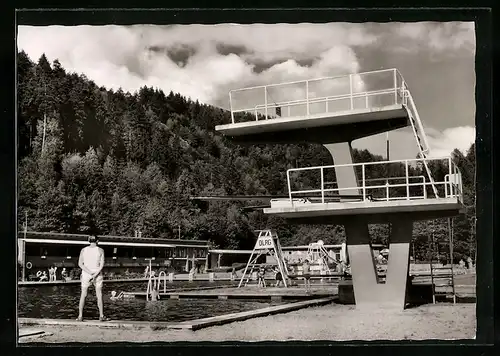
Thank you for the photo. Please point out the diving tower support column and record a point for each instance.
(346, 176)
(368, 289)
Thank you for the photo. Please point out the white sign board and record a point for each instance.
(264, 242)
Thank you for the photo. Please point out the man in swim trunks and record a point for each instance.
(91, 262)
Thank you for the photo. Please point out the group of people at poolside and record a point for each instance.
(91, 263)
(278, 276)
(305, 273)
(52, 276)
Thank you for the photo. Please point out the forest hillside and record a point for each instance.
(118, 162)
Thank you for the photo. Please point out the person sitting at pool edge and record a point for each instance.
(91, 262)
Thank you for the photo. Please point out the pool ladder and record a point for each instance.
(154, 284)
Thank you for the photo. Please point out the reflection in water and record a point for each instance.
(61, 302)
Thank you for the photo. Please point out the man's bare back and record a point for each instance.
(91, 262)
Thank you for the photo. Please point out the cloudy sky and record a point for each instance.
(204, 62)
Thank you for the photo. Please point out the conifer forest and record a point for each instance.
(94, 159)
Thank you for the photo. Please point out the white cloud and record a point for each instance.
(437, 37)
(443, 143)
(205, 62)
(404, 146)
(116, 56)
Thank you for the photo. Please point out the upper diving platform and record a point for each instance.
(323, 110)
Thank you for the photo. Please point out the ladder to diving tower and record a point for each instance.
(419, 134)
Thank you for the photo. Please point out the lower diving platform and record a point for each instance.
(316, 195)
(303, 211)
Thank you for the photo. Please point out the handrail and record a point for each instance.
(413, 108)
(388, 178)
(398, 91)
(370, 163)
(317, 79)
(320, 99)
(455, 188)
(162, 273)
(325, 99)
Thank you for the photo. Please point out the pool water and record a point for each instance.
(61, 302)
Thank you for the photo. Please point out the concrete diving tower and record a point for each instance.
(335, 111)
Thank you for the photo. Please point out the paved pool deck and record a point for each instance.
(329, 323)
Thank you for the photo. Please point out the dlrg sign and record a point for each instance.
(264, 242)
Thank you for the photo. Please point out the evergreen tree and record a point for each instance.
(96, 158)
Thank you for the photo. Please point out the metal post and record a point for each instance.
(322, 186)
(246, 268)
(387, 190)
(307, 97)
(363, 179)
(450, 173)
(350, 91)
(23, 260)
(289, 186)
(150, 281)
(403, 92)
(265, 100)
(450, 231)
(23, 257)
(231, 107)
(279, 259)
(395, 86)
(432, 271)
(407, 181)
(424, 187)
(387, 146)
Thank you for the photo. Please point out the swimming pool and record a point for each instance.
(61, 302)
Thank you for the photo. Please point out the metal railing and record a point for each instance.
(164, 279)
(321, 95)
(452, 184)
